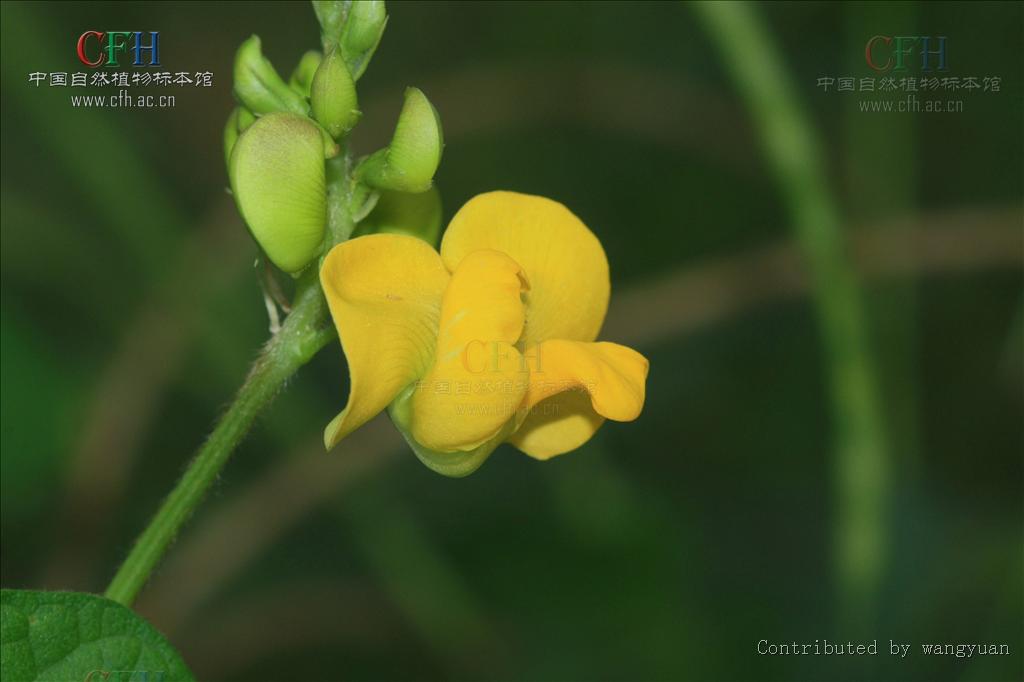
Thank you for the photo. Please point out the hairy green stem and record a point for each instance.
(339, 198)
(861, 465)
(305, 331)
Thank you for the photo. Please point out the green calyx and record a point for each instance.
(333, 95)
(258, 86)
(452, 464)
(278, 180)
(408, 164)
(415, 215)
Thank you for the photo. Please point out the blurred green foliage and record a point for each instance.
(664, 549)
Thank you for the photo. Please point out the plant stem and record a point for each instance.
(861, 475)
(301, 336)
(305, 331)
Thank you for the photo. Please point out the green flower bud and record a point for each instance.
(331, 14)
(258, 86)
(408, 164)
(302, 77)
(362, 33)
(277, 177)
(357, 26)
(415, 215)
(333, 95)
(239, 119)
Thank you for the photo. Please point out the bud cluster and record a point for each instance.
(281, 135)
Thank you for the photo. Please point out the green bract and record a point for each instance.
(257, 84)
(333, 95)
(277, 176)
(408, 164)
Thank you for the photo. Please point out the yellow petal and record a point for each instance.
(611, 377)
(562, 259)
(478, 378)
(384, 292)
(456, 463)
(557, 425)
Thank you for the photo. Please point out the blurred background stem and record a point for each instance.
(873, 190)
(861, 473)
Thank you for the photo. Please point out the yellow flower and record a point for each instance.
(490, 340)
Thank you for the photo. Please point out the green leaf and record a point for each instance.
(69, 636)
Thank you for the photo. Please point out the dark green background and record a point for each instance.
(665, 548)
